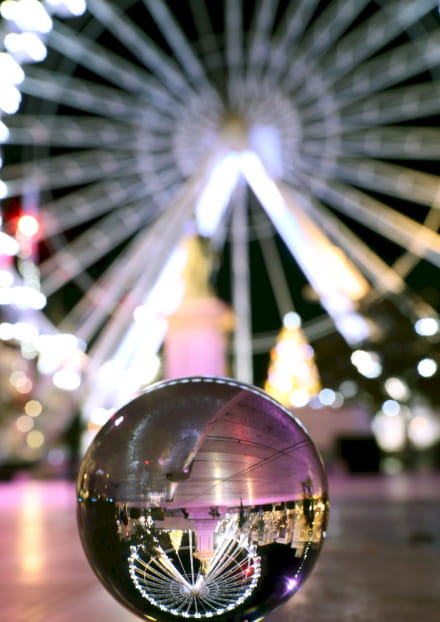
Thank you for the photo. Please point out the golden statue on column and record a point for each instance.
(197, 338)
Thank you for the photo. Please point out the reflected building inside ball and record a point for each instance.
(202, 498)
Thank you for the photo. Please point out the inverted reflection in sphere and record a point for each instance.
(202, 498)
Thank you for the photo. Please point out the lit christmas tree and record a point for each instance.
(293, 377)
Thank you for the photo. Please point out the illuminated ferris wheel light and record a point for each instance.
(318, 113)
(213, 588)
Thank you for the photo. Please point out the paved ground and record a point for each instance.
(381, 561)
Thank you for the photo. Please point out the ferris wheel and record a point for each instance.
(170, 581)
(312, 120)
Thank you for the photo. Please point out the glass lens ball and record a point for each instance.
(202, 498)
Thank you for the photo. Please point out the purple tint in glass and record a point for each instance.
(202, 498)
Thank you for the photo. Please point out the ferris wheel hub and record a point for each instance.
(235, 132)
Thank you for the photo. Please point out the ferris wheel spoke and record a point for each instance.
(390, 179)
(182, 566)
(101, 298)
(191, 549)
(390, 68)
(86, 249)
(377, 216)
(399, 181)
(166, 566)
(408, 143)
(68, 170)
(393, 106)
(163, 236)
(109, 66)
(89, 96)
(276, 273)
(219, 602)
(241, 292)
(259, 48)
(182, 49)
(287, 35)
(161, 569)
(374, 32)
(57, 131)
(408, 260)
(143, 47)
(383, 277)
(208, 42)
(77, 208)
(330, 273)
(221, 563)
(321, 37)
(234, 46)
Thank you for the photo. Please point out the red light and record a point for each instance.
(248, 571)
(146, 462)
(28, 226)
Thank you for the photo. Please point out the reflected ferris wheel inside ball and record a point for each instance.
(202, 498)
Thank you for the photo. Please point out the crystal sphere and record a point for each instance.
(202, 498)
